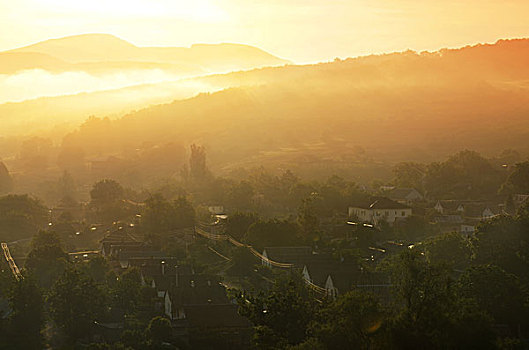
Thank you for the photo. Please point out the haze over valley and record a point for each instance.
(385, 108)
(273, 175)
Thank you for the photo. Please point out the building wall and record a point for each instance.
(376, 215)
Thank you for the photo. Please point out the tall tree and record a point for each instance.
(198, 170)
(282, 315)
(46, 260)
(159, 331)
(21, 217)
(352, 321)
(106, 200)
(272, 233)
(238, 223)
(105, 192)
(27, 318)
(518, 180)
(497, 293)
(409, 174)
(6, 182)
(75, 302)
(162, 216)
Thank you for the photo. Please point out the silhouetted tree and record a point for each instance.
(159, 331)
(240, 196)
(518, 180)
(308, 219)
(105, 192)
(352, 321)
(27, 317)
(20, 217)
(238, 223)
(409, 174)
(282, 315)
(162, 216)
(450, 248)
(106, 200)
(497, 293)
(126, 293)
(198, 170)
(46, 260)
(272, 233)
(75, 303)
(6, 182)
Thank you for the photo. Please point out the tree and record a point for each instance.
(162, 216)
(184, 212)
(412, 228)
(35, 152)
(159, 331)
(518, 180)
(504, 241)
(198, 170)
(243, 262)
(409, 174)
(425, 293)
(497, 293)
(66, 186)
(20, 217)
(6, 182)
(46, 260)
(126, 293)
(308, 220)
(106, 192)
(449, 248)
(97, 268)
(106, 199)
(71, 158)
(464, 175)
(352, 321)
(240, 195)
(238, 223)
(282, 315)
(27, 318)
(75, 302)
(272, 233)
(431, 314)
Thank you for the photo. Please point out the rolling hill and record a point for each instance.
(381, 108)
(87, 51)
(402, 106)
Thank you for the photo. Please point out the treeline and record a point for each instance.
(466, 175)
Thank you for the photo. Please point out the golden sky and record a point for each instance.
(299, 30)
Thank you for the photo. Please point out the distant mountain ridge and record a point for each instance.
(398, 106)
(106, 48)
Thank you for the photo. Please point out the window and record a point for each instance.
(403, 213)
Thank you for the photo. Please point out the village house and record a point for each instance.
(380, 209)
(406, 196)
(331, 276)
(467, 209)
(197, 305)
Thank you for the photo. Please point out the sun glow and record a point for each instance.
(196, 10)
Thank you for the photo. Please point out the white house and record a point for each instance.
(380, 209)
